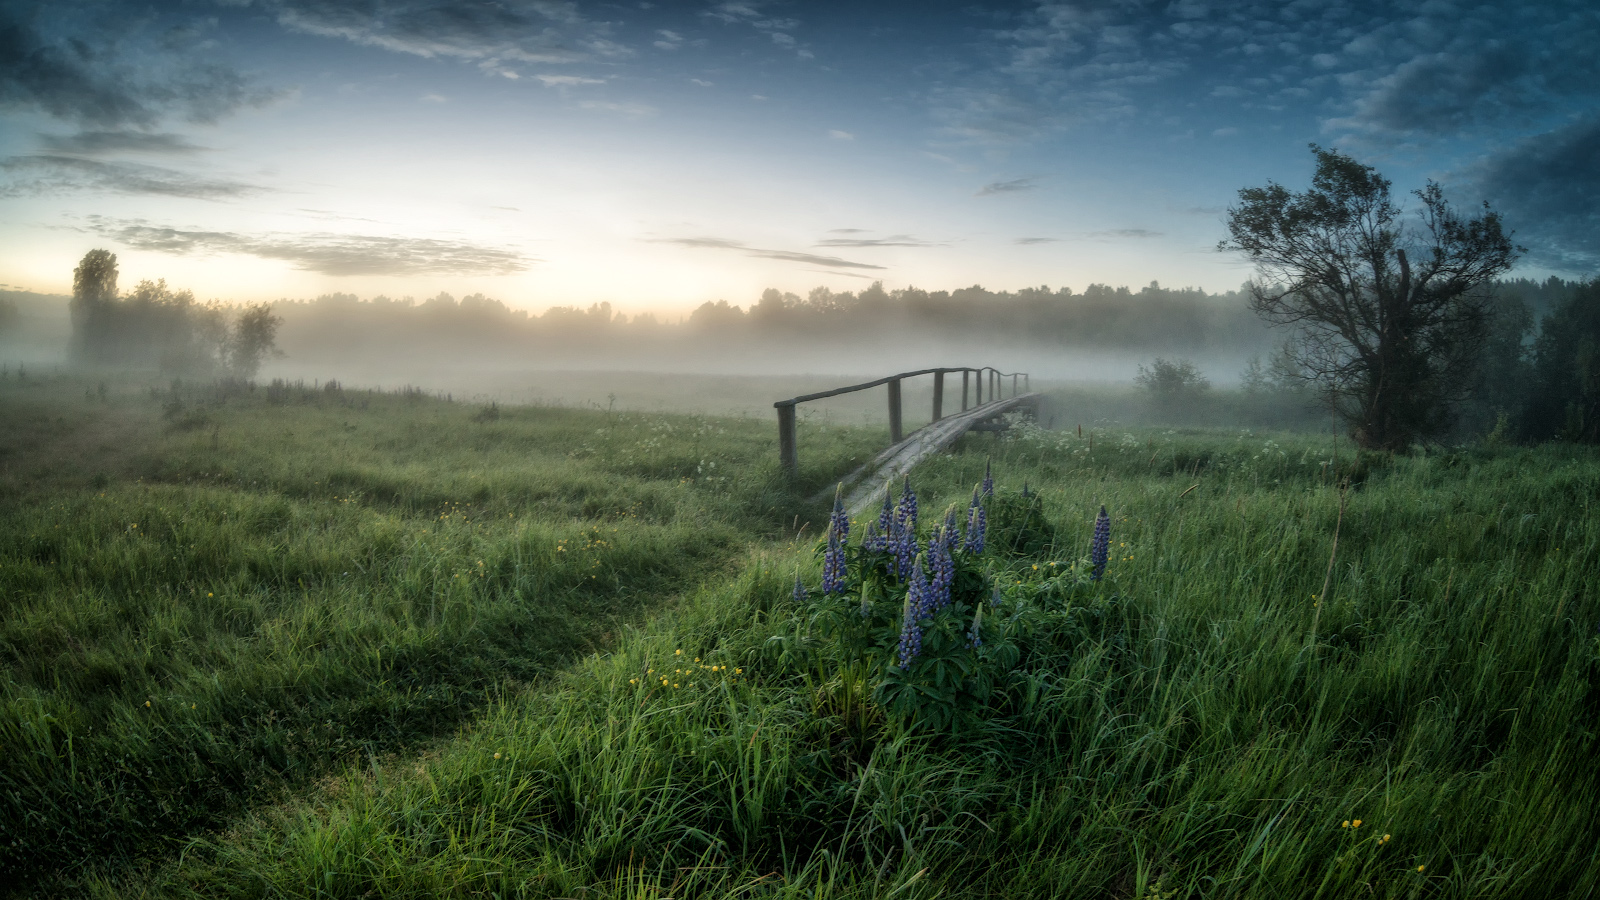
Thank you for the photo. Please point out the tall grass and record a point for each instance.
(210, 595)
(1218, 717)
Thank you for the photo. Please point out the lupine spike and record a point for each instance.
(800, 594)
(988, 479)
(911, 622)
(975, 633)
(1100, 548)
(941, 569)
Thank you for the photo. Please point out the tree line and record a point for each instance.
(154, 325)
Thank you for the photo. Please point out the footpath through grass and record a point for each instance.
(209, 595)
(1222, 715)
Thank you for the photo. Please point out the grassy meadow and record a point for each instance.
(317, 642)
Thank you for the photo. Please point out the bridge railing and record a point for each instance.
(972, 379)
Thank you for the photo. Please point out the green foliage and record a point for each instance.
(1200, 723)
(1565, 401)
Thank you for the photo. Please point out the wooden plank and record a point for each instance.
(938, 395)
(788, 455)
(864, 487)
(895, 431)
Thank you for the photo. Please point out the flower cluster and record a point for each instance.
(902, 539)
(833, 562)
(977, 524)
(911, 618)
(1100, 548)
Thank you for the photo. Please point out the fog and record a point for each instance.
(730, 358)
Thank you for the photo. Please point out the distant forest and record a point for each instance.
(1153, 320)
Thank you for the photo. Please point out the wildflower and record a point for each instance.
(988, 480)
(833, 564)
(497, 756)
(910, 626)
(799, 592)
(1346, 824)
(977, 523)
(942, 569)
(1420, 868)
(907, 511)
(1356, 824)
(974, 634)
(1100, 545)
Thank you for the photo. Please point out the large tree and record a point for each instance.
(1388, 315)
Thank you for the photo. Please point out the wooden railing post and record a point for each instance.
(964, 374)
(938, 396)
(788, 455)
(895, 434)
(1013, 384)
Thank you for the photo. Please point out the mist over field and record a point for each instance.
(404, 490)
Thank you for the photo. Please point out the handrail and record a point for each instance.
(788, 455)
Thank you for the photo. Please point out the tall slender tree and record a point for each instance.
(94, 290)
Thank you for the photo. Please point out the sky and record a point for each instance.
(657, 155)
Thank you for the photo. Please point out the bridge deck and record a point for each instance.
(865, 486)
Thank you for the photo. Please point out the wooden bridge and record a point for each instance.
(863, 486)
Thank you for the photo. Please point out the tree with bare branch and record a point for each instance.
(1387, 316)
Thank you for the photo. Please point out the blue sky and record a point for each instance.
(658, 155)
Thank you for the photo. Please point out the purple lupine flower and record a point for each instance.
(975, 633)
(841, 520)
(833, 565)
(911, 619)
(906, 514)
(988, 479)
(977, 525)
(941, 569)
(904, 547)
(994, 598)
(800, 595)
(873, 539)
(886, 515)
(1100, 548)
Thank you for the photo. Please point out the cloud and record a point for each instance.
(715, 243)
(831, 262)
(56, 174)
(89, 77)
(328, 254)
(847, 231)
(1013, 186)
(669, 40)
(431, 97)
(567, 80)
(629, 109)
(1036, 240)
(1120, 233)
(489, 33)
(701, 82)
(1547, 187)
(893, 240)
(838, 135)
(102, 143)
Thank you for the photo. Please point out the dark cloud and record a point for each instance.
(1548, 189)
(56, 174)
(712, 243)
(1007, 187)
(1389, 71)
(328, 254)
(495, 34)
(893, 240)
(100, 75)
(102, 143)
